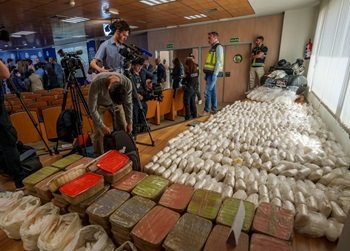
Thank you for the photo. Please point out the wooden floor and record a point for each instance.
(160, 137)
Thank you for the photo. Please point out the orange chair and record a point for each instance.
(153, 112)
(50, 116)
(179, 107)
(33, 96)
(166, 106)
(47, 99)
(40, 91)
(26, 131)
(17, 101)
(37, 106)
(10, 95)
(49, 94)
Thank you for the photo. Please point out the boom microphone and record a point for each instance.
(144, 51)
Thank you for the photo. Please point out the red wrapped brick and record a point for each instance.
(129, 181)
(177, 197)
(150, 232)
(274, 221)
(261, 242)
(217, 240)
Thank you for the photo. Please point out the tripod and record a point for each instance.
(136, 96)
(77, 96)
(35, 124)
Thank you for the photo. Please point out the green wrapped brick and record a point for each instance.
(103, 207)
(66, 161)
(205, 203)
(229, 210)
(30, 181)
(152, 187)
(189, 233)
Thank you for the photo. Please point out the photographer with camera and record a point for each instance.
(108, 52)
(109, 90)
(144, 81)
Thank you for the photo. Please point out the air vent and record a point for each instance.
(211, 10)
(58, 17)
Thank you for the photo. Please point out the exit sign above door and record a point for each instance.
(234, 39)
(169, 46)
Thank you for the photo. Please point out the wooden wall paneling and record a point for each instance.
(236, 84)
(245, 29)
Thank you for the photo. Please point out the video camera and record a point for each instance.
(156, 93)
(133, 53)
(71, 60)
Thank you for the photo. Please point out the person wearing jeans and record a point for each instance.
(213, 68)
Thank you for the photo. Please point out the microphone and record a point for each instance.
(144, 51)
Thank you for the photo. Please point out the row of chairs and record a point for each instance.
(169, 108)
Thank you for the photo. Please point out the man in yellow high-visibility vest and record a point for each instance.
(213, 68)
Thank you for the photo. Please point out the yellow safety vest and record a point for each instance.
(210, 62)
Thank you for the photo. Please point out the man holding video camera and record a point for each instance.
(144, 81)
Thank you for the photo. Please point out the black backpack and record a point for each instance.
(67, 125)
(123, 142)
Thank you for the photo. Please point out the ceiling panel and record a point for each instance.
(36, 15)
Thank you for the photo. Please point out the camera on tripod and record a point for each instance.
(71, 61)
(132, 53)
(156, 93)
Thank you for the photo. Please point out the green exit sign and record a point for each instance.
(234, 39)
(169, 46)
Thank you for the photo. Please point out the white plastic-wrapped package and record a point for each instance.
(337, 212)
(333, 230)
(35, 222)
(264, 199)
(315, 175)
(13, 217)
(160, 170)
(240, 185)
(340, 182)
(92, 237)
(153, 168)
(200, 184)
(288, 205)
(8, 199)
(316, 225)
(299, 198)
(253, 198)
(252, 187)
(302, 215)
(166, 174)
(227, 192)
(182, 179)
(240, 194)
(60, 232)
(311, 203)
(190, 181)
(276, 201)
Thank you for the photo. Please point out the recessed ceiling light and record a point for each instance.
(15, 35)
(156, 2)
(195, 16)
(133, 27)
(6, 45)
(75, 20)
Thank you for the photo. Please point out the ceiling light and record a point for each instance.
(15, 35)
(79, 36)
(133, 27)
(195, 16)
(75, 20)
(156, 2)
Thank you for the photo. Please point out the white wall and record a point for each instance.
(298, 27)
